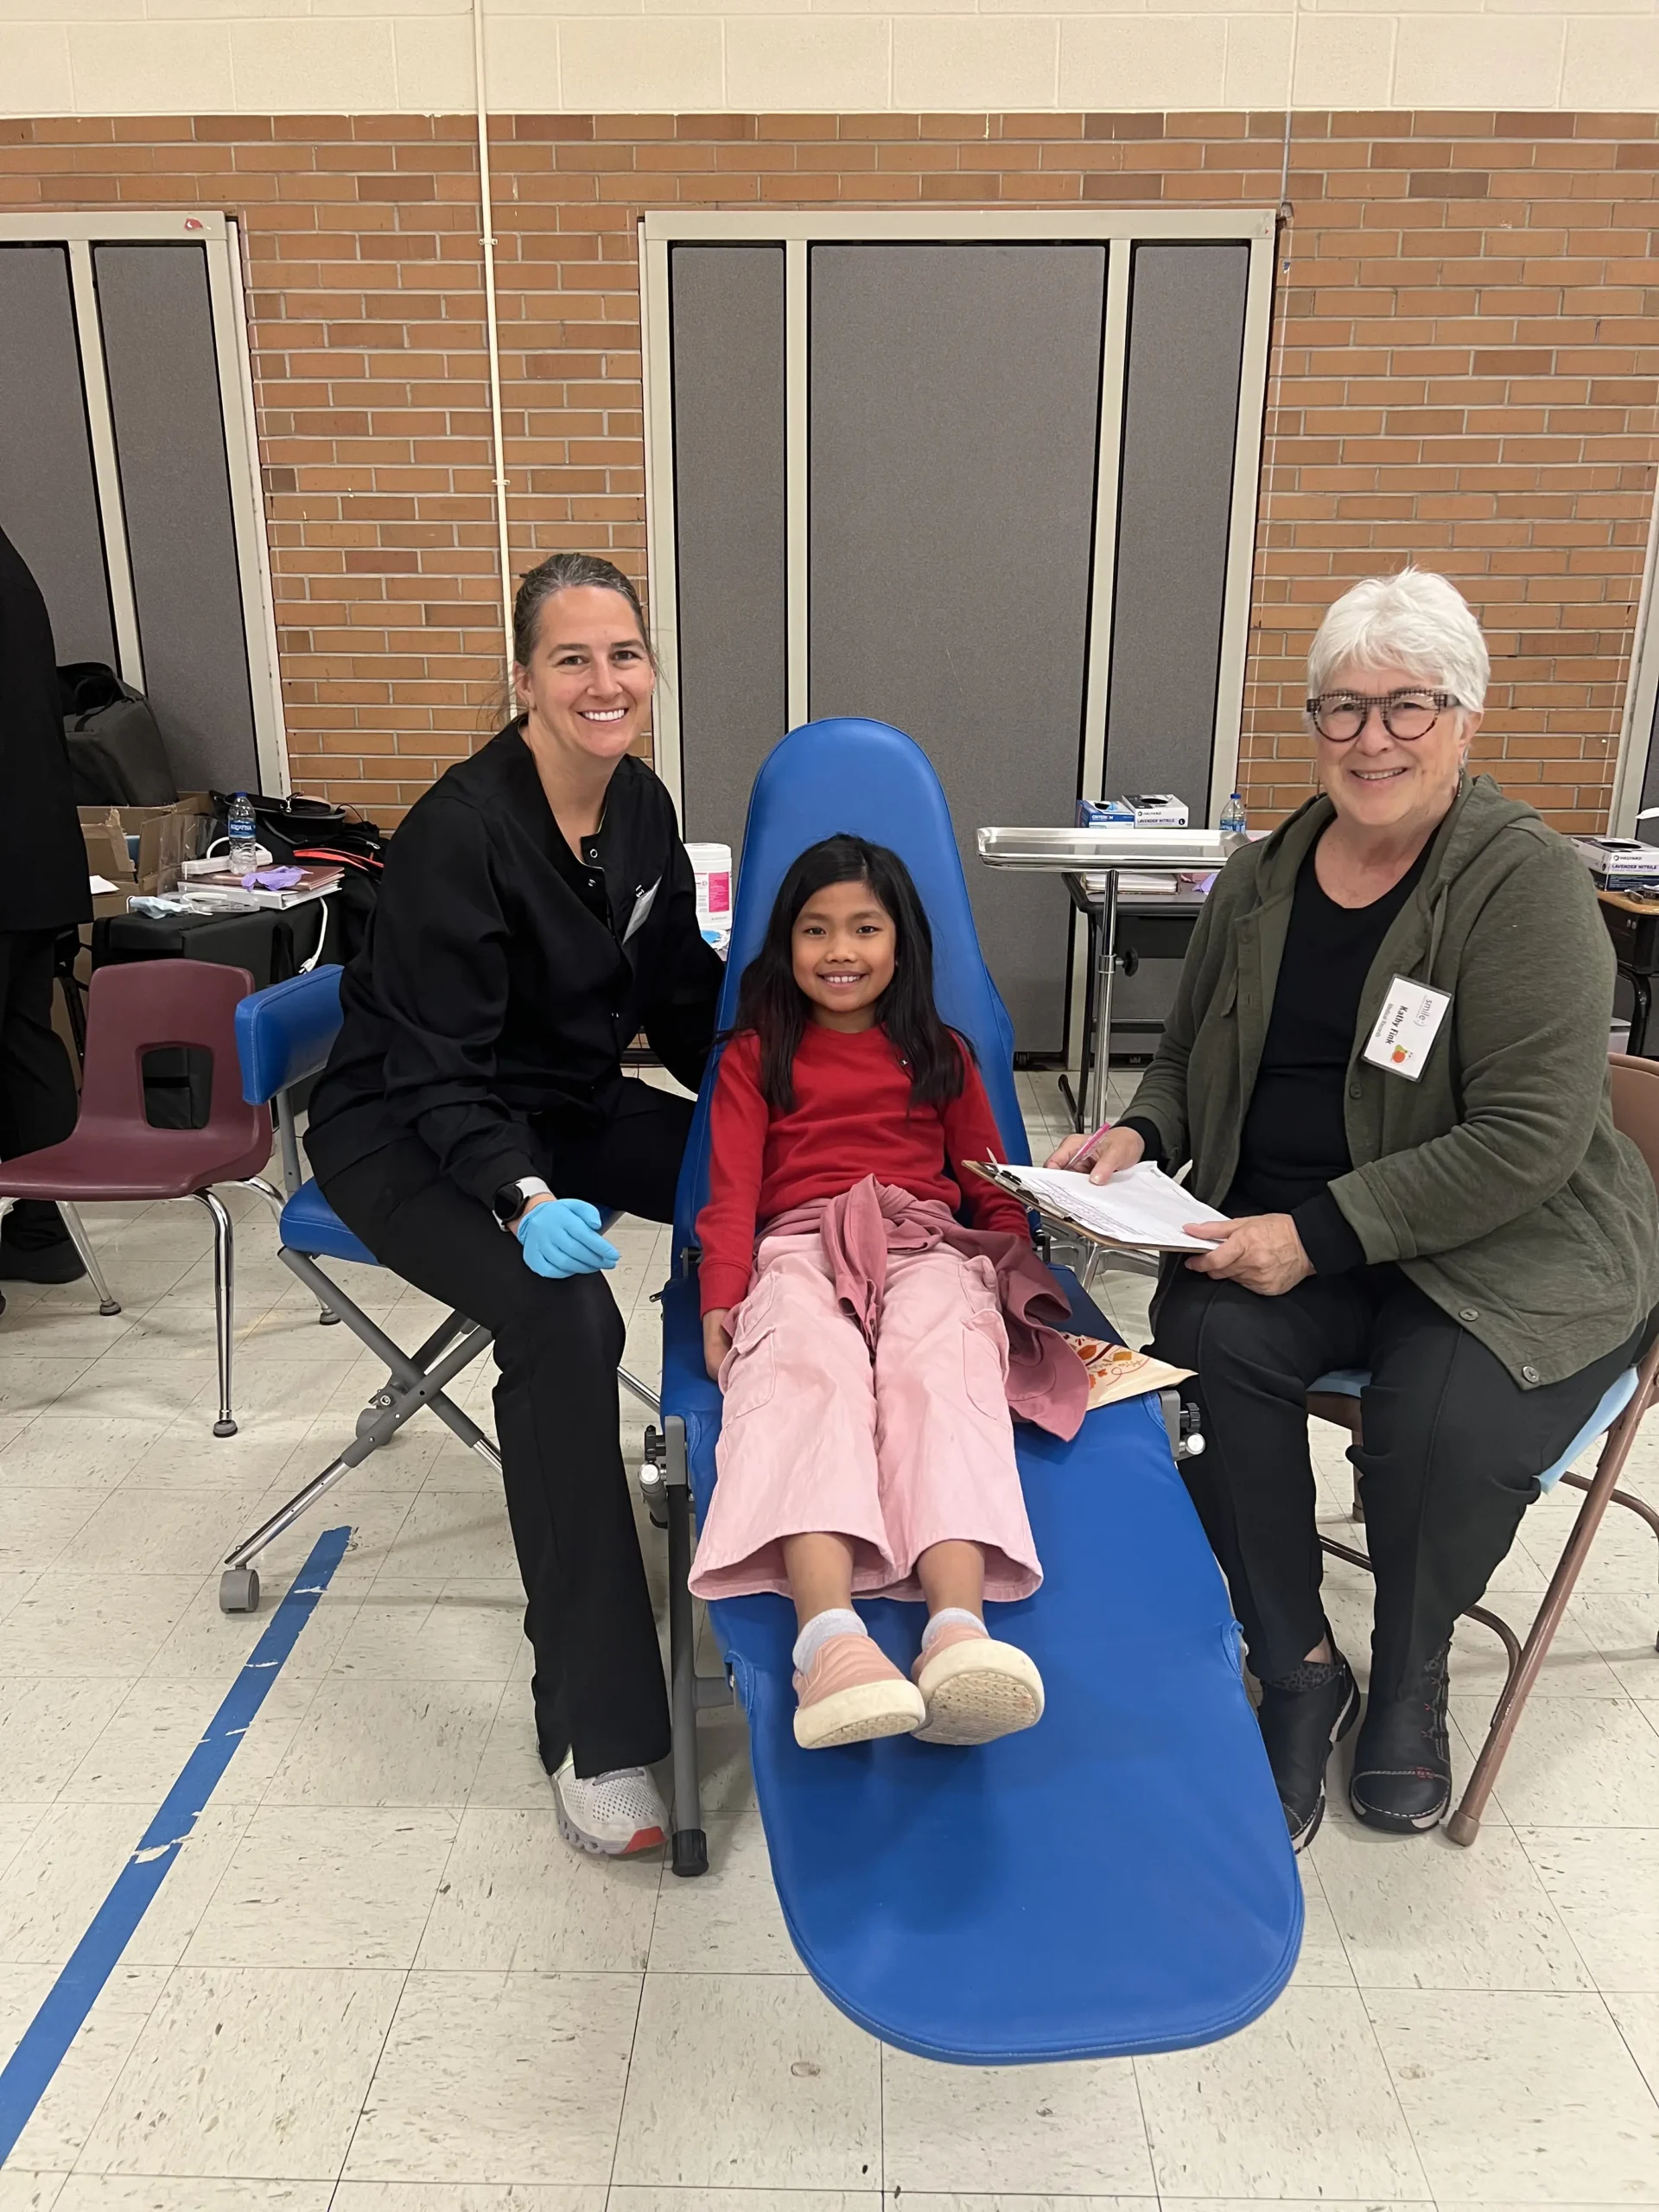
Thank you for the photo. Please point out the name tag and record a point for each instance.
(1407, 1027)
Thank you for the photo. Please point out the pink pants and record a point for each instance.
(896, 1452)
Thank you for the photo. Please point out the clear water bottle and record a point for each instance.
(1234, 821)
(243, 835)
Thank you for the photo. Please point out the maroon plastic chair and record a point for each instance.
(137, 1008)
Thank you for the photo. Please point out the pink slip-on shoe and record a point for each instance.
(852, 1692)
(976, 1689)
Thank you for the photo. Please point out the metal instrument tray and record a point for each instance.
(1088, 851)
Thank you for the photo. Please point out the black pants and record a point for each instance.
(38, 1104)
(598, 1676)
(1452, 1453)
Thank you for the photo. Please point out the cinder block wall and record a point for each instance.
(1465, 369)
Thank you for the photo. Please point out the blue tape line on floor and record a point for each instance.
(29, 2071)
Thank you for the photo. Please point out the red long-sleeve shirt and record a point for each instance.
(853, 1117)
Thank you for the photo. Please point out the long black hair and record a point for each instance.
(772, 1003)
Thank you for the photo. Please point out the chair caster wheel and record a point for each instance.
(109, 1306)
(224, 1428)
(239, 1590)
(690, 1852)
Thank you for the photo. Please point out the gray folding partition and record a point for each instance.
(128, 477)
(48, 496)
(991, 479)
(1174, 512)
(955, 405)
(732, 676)
(1636, 779)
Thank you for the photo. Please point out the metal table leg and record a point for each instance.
(1641, 993)
(1086, 1048)
(1105, 951)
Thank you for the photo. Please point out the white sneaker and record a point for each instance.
(613, 1814)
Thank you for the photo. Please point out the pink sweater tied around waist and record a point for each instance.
(1048, 1384)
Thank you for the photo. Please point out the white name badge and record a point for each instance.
(1407, 1026)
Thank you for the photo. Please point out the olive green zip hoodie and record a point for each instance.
(1497, 1181)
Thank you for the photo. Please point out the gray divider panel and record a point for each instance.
(1648, 832)
(169, 435)
(954, 431)
(727, 317)
(48, 502)
(1180, 420)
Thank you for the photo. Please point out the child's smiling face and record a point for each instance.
(844, 944)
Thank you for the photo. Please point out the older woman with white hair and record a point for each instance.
(1387, 1063)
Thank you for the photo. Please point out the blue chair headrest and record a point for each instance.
(871, 781)
(284, 1033)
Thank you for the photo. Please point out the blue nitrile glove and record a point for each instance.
(561, 1237)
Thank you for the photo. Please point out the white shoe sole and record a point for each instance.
(977, 1692)
(651, 1839)
(859, 1715)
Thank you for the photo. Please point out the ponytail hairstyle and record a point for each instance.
(772, 1003)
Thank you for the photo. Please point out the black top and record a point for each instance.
(43, 880)
(1294, 1141)
(502, 977)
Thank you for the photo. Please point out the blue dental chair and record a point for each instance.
(1118, 1878)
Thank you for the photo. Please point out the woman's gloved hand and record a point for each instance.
(561, 1237)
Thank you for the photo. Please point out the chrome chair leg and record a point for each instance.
(224, 1304)
(648, 1398)
(107, 1301)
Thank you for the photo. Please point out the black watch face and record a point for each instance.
(506, 1201)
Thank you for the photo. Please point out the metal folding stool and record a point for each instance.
(284, 1035)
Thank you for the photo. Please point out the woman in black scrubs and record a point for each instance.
(537, 912)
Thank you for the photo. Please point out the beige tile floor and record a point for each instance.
(376, 1981)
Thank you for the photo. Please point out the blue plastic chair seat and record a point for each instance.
(1352, 1381)
(311, 1225)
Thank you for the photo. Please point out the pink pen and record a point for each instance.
(1079, 1157)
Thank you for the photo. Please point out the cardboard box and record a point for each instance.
(107, 856)
(1614, 861)
(168, 836)
(1103, 814)
(1156, 809)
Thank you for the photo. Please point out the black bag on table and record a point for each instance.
(116, 752)
(316, 833)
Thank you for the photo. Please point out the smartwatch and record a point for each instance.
(511, 1198)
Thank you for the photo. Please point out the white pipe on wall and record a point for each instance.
(492, 329)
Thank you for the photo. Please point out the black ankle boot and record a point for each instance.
(1303, 1717)
(1402, 1762)
(58, 1261)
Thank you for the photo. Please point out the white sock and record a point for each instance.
(840, 1620)
(950, 1616)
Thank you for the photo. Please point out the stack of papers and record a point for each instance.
(1140, 1208)
(220, 892)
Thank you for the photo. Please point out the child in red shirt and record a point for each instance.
(866, 1443)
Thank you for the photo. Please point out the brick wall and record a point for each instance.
(1465, 367)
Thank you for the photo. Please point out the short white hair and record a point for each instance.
(1417, 621)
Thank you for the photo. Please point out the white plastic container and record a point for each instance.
(712, 866)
